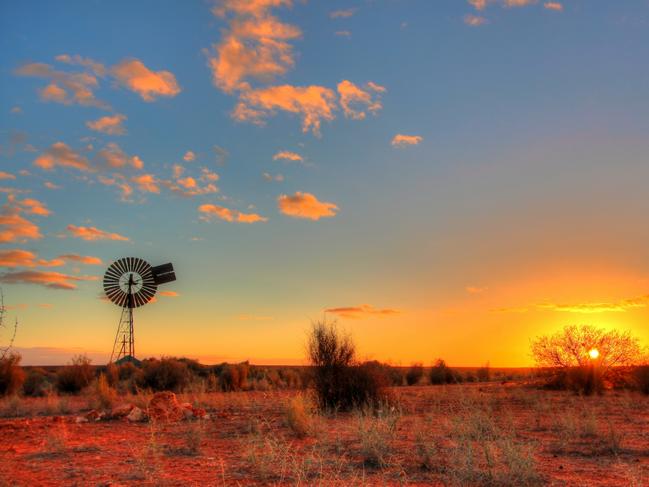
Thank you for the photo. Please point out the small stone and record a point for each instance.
(136, 415)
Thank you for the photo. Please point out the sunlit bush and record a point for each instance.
(11, 374)
(76, 376)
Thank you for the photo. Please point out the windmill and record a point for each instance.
(132, 282)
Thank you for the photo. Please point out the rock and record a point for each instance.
(136, 415)
(95, 415)
(80, 419)
(121, 411)
(164, 407)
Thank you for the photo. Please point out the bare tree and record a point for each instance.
(3, 326)
(585, 346)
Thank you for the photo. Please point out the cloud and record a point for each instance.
(270, 178)
(518, 3)
(556, 6)
(81, 259)
(61, 155)
(65, 88)
(401, 140)
(6, 175)
(97, 68)
(111, 125)
(113, 157)
(313, 103)
(189, 156)
(147, 183)
(15, 228)
(207, 175)
(288, 156)
(305, 205)
(24, 258)
(351, 97)
(50, 185)
(474, 20)
(169, 294)
(16, 110)
(475, 289)
(619, 306)
(135, 76)
(360, 312)
(93, 233)
(53, 280)
(478, 4)
(342, 14)
(35, 207)
(255, 45)
(209, 211)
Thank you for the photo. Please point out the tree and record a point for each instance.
(5, 350)
(585, 354)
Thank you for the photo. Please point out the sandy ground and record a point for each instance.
(437, 435)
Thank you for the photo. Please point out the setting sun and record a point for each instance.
(593, 353)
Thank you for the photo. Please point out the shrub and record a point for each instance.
(568, 354)
(11, 374)
(104, 393)
(75, 376)
(234, 377)
(641, 378)
(414, 374)
(484, 373)
(341, 384)
(166, 374)
(297, 416)
(37, 383)
(440, 373)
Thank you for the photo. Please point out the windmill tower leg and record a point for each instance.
(124, 338)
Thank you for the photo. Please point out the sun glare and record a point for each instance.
(593, 354)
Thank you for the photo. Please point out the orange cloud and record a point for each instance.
(6, 175)
(305, 205)
(93, 233)
(189, 156)
(401, 140)
(65, 88)
(207, 175)
(60, 154)
(111, 125)
(474, 20)
(35, 207)
(478, 4)
(351, 97)
(50, 185)
(81, 259)
(54, 280)
(556, 6)
(113, 157)
(619, 306)
(313, 103)
(288, 156)
(147, 183)
(229, 215)
(15, 228)
(519, 3)
(169, 294)
(135, 76)
(360, 312)
(25, 258)
(97, 68)
(342, 14)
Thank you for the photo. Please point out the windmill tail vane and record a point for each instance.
(129, 283)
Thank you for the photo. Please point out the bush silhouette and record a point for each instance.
(484, 373)
(566, 355)
(414, 374)
(440, 373)
(75, 376)
(11, 374)
(166, 374)
(641, 378)
(37, 383)
(340, 383)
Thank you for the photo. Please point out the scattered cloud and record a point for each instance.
(189, 156)
(135, 76)
(352, 97)
(286, 155)
(81, 259)
(35, 207)
(478, 4)
(343, 13)
(618, 306)
(61, 155)
(518, 3)
(53, 280)
(95, 67)
(93, 233)
(147, 183)
(16, 110)
(305, 205)
(111, 156)
(51, 185)
(13, 227)
(169, 294)
(111, 124)
(270, 178)
(210, 211)
(556, 6)
(24, 258)
(401, 140)
(360, 312)
(474, 20)
(6, 175)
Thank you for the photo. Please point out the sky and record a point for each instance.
(442, 178)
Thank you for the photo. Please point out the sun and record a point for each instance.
(593, 353)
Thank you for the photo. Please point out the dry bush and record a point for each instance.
(566, 355)
(414, 374)
(340, 384)
(166, 374)
(376, 434)
(298, 418)
(440, 373)
(484, 373)
(38, 383)
(11, 374)
(102, 395)
(76, 376)
(233, 377)
(641, 378)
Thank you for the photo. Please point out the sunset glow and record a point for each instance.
(446, 179)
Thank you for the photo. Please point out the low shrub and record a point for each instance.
(641, 378)
(414, 374)
(166, 374)
(11, 374)
(38, 383)
(76, 376)
(297, 416)
(440, 373)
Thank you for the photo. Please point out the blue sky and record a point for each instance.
(522, 187)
